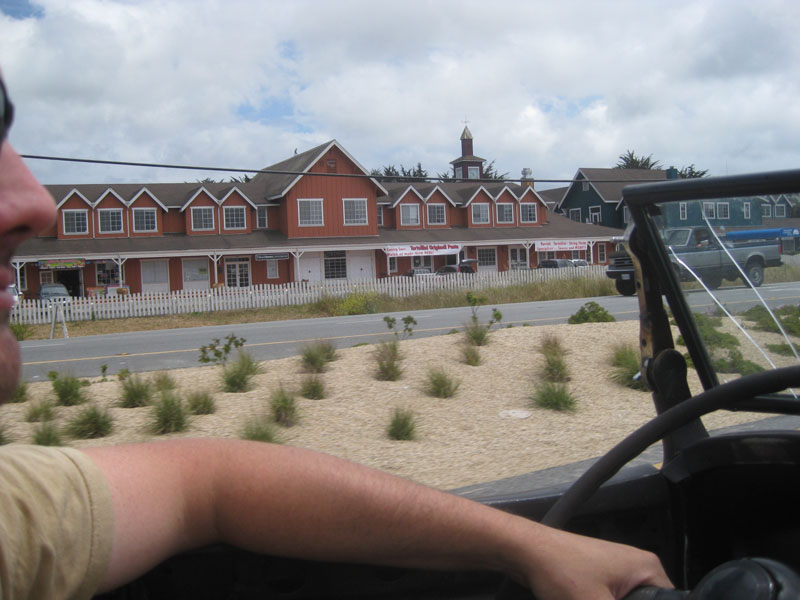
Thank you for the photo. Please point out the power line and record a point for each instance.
(388, 178)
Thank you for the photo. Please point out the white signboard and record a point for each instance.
(422, 250)
(557, 245)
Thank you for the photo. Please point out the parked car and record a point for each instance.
(468, 265)
(555, 263)
(52, 292)
(419, 271)
(579, 262)
(12, 289)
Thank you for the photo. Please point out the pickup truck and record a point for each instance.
(699, 250)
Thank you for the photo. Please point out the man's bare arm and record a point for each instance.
(175, 495)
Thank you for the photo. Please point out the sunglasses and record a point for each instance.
(6, 112)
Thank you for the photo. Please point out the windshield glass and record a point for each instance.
(739, 268)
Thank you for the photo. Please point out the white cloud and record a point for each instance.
(553, 87)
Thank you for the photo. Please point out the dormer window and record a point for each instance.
(76, 222)
(202, 218)
(234, 217)
(473, 173)
(480, 214)
(110, 220)
(144, 219)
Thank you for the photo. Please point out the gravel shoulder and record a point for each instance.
(487, 431)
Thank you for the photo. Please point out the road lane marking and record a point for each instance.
(540, 321)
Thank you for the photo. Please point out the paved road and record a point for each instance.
(178, 348)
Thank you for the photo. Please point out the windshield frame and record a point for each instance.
(644, 235)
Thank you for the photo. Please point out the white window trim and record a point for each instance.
(392, 264)
(108, 211)
(746, 210)
(318, 201)
(444, 213)
(64, 220)
(575, 211)
(601, 253)
(363, 201)
(595, 210)
(145, 210)
(198, 208)
(497, 212)
(766, 210)
(727, 207)
(402, 221)
(473, 172)
(522, 212)
(713, 211)
(226, 209)
(780, 211)
(488, 214)
(45, 277)
(683, 211)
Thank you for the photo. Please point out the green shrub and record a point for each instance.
(169, 414)
(713, 338)
(555, 368)
(20, 393)
(39, 412)
(591, 312)
(136, 392)
(259, 430)
(477, 333)
(402, 426)
(472, 356)
(316, 356)
(218, 354)
(68, 390)
(284, 407)
(164, 382)
(21, 331)
(387, 357)
(780, 349)
(736, 363)
(237, 376)
(312, 388)
(625, 367)
(123, 374)
(46, 434)
(553, 396)
(201, 403)
(358, 303)
(90, 422)
(440, 384)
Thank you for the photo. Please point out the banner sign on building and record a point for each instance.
(62, 263)
(422, 250)
(273, 256)
(561, 245)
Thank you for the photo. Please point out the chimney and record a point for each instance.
(672, 173)
(527, 177)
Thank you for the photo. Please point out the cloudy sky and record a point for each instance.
(552, 86)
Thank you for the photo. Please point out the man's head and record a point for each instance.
(25, 209)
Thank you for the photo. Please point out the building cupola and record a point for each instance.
(467, 166)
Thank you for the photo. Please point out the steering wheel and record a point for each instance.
(727, 394)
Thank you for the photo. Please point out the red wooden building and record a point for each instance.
(316, 215)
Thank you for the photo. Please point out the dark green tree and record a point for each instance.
(630, 160)
(691, 173)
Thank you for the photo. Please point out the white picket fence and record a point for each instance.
(262, 296)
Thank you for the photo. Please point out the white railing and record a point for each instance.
(262, 296)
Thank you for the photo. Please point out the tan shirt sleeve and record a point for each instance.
(56, 523)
